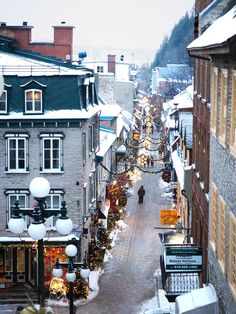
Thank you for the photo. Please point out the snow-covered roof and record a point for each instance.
(106, 140)
(111, 110)
(55, 114)
(12, 64)
(184, 99)
(218, 33)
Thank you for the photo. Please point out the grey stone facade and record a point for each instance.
(223, 175)
(71, 180)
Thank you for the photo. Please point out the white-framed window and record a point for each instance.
(53, 200)
(52, 152)
(91, 138)
(3, 102)
(17, 152)
(16, 195)
(33, 101)
(92, 187)
(100, 69)
(84, 148)
(85, 199)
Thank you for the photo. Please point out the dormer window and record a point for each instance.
(33, 101)
(3, 102)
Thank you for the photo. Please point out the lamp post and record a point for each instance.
(71, 251)
(39, 188)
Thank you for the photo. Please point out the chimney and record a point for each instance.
(3, 24)
(111, 63)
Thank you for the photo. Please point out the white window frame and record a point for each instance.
(17, 194)
(51, 137)
(17, 137)
(92, 188)
(51, 221)
(3, 101)
(84, 148)
(34, 101)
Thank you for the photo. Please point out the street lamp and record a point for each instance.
(71, 251)
(39, 188)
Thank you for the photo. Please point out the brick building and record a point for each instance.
(214, 145)
(20, 37)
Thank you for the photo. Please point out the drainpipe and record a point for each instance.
(188, 217)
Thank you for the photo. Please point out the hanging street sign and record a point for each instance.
(168, 217)
(183, 259)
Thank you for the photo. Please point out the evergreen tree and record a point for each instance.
(173, 49)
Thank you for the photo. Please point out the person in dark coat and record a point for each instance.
(141, 193)
(152, 161)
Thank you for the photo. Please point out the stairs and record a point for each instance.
(18, 293)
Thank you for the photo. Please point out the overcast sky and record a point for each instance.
(134, 28)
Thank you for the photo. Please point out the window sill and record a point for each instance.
(52, 171)
(16, 171)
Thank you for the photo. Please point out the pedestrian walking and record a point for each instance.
(152, 161)
(148, 161)
(141, 193)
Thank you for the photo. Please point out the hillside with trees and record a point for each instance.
(173, 49)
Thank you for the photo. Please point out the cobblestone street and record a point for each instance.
(128, 279)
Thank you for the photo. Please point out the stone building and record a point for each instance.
(49, 127)
(215, 107)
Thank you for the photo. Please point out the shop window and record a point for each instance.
(222, 235)
(213, 216)
(232, 255)
(233, 116)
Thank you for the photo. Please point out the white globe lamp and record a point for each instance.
(64, 225)
(84, 272)
(71, 250)
(16, 225)
(39, 187)
(37, 230)
(70, 276)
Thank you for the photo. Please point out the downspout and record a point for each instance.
(188, 217)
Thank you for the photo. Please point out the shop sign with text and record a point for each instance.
(183, 259)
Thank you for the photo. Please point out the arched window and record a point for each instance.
(33, 101)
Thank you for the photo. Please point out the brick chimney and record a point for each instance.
(63, 39)
(111, 64)
(62, 47)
